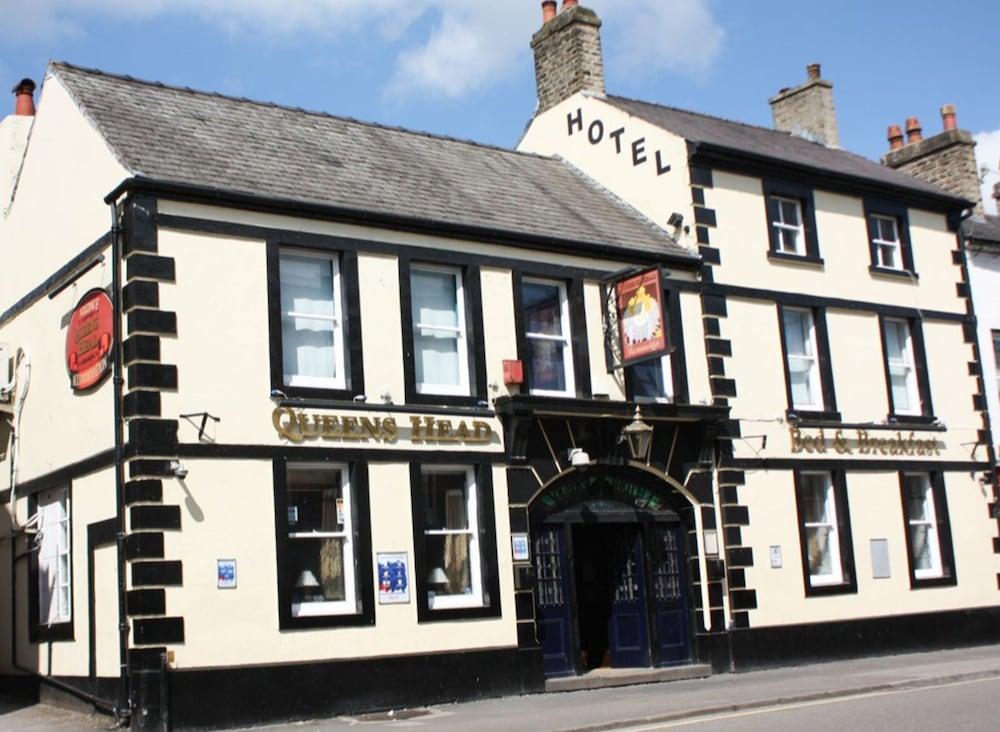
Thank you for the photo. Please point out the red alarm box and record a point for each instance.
(513, 372)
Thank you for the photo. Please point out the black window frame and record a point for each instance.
(39, 632)
(845, 538)
(474, 335)
(900, 213)
(827, 386)
(364, 569)
(577, 327)
(491, 608)
(926, 415)
(807, 205)
(949, 576)
(350, 322)
(675, 341)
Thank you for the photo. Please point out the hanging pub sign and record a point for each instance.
(89, 339)
(639, 306)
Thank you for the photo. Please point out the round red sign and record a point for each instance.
(89, 339)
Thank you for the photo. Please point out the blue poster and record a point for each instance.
(393, 578)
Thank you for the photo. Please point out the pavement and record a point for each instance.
(649, 704)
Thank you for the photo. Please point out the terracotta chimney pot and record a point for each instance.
(814, 71)
(914, 132)
(24, 99)
(948, 117)
(548, 10)
(569, 4)
(895, 137)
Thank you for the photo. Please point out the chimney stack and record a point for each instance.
(947, 159)
(996, 192)
(568, 57)
(807, 110)
(24, 98)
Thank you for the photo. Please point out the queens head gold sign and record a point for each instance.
(297, 426)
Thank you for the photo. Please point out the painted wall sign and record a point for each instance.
(600, 487)
(634, 148)
(393, 578)
(89, 340)
(639, 302)
(297, 426)
(860, 442)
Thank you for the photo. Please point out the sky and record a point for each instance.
(464, 67)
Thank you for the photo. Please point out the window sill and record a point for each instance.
(805, 418)
(923, 584)
(426, 615)
(848, 588)
(311, 622)
(902, 274)
(904, 420)
(479, 410)
(805, 259)
(59, 632)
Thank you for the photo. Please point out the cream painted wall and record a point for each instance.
(58, 427)
(984, 279)
(13, 142)
(58, 208)
(876, 513)
(250, 633)
(656, 196)
(694, 348)
(501, 344)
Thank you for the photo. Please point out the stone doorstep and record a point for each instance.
(605, 678)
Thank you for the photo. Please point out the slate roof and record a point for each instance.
(237, 145)
(983, 230)
(773, 144)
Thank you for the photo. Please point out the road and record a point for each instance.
(961, 706)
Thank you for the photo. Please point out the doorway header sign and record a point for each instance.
(639, 305)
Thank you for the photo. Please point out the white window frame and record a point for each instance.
(667, 397)
(463, 387)
(815, 375)
(936, 570)
(566, 339)
(780, 224)
(54, 510)
(896, 245)
(437, 601)
(339, 381)
(349, 605)
(836, 577)
(908, 363)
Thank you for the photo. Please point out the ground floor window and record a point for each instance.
(54, 576)
(324, 542)
(928, 536)
(825, 534)
(454, 542)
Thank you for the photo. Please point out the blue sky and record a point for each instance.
(464, 68)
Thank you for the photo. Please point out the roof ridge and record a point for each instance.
(302, 110)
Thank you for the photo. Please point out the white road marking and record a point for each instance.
(795, 705)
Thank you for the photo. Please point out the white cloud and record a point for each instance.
(464, 45)
(988, 156)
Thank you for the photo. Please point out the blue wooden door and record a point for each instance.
(669, 601)
(552, 601)
(628, 629)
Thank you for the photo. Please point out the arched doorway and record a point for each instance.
(609, 545)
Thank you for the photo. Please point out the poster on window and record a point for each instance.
(639, 305)
(393, 578)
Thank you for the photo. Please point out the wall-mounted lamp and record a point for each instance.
(386, 397)
(675, 220)
(578, 458)
(178, 469)
(361, 398)
(278, 394)
(639, 436)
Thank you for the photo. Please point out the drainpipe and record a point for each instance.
(123, 710)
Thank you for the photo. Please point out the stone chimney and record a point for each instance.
(567, 53)
(807, 110)
(947, 160)
(996, 192)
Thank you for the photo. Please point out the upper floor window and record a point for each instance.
(996, 358)
(652, 381)
(312, 333)
(889, 238)
(791, 221)
(905, 367)
(808, 373)
(440, 353)
(548, 338)
(786, 218)
(55, 604)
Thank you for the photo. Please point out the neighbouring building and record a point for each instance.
(307, 416)
(853, 499)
